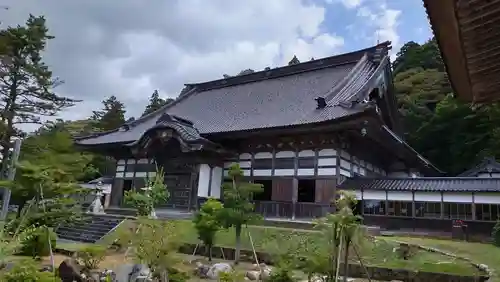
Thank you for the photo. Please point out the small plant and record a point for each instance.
(281, 274)
(496, 234)
(140, 201)
(146, 201)
(91, 256)
(28, 271)
(207, 224)
(35, 241)
(154, 243)
(232, 276)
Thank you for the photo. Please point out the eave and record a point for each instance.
(469, 39)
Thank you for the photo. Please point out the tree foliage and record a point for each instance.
(51, 193)
(26, 82)
(52, 145)
(450, 133)
(155, 103)
(111, 116)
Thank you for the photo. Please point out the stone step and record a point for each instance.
(79, 237)
(92, 229)
(81, 230)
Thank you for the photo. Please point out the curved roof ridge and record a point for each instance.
(370, 82)
(326, 62)
(345, 80)
(352, 88)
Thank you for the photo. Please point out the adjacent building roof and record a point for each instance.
(431, 184)
(486, 166)
(271, 98)
(467, 33)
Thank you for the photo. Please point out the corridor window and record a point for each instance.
(399, 208)
(266, 193)
(373, 207)
(428, 209)
(487, 212)
(306, 191)
(457, 210)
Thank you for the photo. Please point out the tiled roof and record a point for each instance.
(450, 184)
(487, 165)
(271, 98)
(188, 137)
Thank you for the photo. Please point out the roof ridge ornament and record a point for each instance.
(294, 61)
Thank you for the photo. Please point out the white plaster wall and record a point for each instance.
(215, 186)
(203, 180)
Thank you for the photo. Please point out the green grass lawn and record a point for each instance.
(478, 252)
(268, 239)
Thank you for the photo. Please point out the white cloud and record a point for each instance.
(349, 4)
(383, 21)
(128, 49)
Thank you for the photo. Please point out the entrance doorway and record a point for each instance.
(179, 187)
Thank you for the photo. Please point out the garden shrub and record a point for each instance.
(174, 275)
(232, 276)
(27, 271)
(496, 234)
(91, 256)
(281, 274)
(207, 224)
(35, 241)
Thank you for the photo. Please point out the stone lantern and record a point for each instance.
(96, 207)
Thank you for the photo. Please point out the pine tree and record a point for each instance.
(238, 210)
(155, 103)
(111, 116)
(26, 82)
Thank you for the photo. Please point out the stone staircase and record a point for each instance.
(91, 230)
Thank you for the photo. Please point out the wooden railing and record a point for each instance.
(274, 209)
(290, 210)
(311, 210)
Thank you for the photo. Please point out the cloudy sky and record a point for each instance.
(128, 48)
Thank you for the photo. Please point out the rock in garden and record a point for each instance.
(265, 271)
(70, 271)
(213, 272)
(46, 268)
(253, 275)
(140, 273)
(201, 270)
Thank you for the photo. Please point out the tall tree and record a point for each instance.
(26, 82)
(414, 55)
(155, 103)
(111, 116)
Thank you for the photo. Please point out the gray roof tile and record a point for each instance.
(265, 99)
(487, 165)
(448, 184)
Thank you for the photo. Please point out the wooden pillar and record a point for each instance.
(295, 185)
(473, 207)
(295, 191)
(442, 206)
